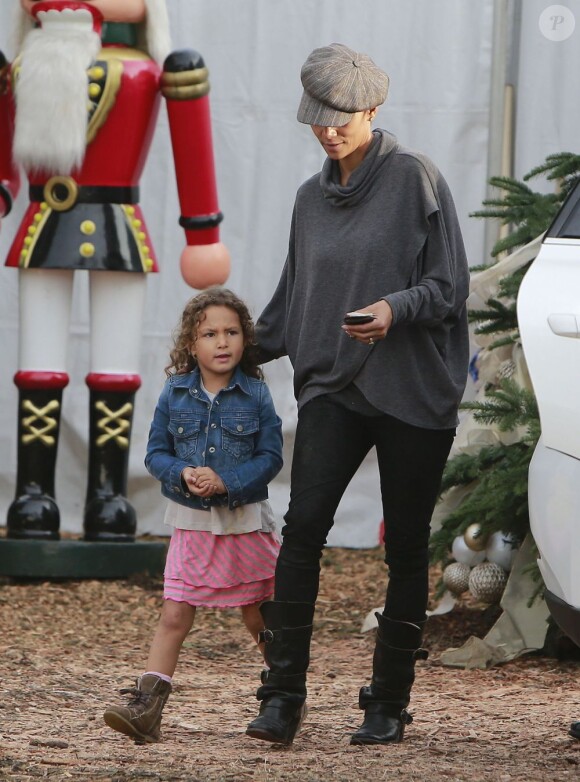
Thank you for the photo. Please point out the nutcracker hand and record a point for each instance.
(203, 265)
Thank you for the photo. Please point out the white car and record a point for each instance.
(548, 308)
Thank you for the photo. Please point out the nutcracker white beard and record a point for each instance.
(52, 97)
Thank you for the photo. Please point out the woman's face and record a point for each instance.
(112, 10)
(350, 139)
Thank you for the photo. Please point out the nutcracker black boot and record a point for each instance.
(141, 717)
(34, 513)
(108, 514)
(287, 654)
(385, 701)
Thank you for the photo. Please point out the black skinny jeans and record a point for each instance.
(331, 443)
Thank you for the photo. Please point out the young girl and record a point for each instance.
(215, 443)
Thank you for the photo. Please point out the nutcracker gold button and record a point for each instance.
(94, 90)
(87, 250)
(97, 72)
(88, 227)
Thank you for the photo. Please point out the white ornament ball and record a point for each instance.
(487, 582)
(462, 553)
(475, 538)
(456, 577)
(501, 549)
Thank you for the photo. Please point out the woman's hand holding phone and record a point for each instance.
(368, 326)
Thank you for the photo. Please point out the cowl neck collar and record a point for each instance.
(362, 178)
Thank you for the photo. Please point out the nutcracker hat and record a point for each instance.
(153, 32)
(337, 83)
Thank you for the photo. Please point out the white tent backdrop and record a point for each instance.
(439, 58)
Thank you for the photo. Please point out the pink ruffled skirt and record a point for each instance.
(220, 571)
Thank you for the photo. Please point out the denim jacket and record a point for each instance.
(239, 436)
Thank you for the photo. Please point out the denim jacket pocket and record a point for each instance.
(185, 431)
(238, 434)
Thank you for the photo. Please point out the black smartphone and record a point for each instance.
(354, 318)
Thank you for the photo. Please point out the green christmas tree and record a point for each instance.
(493, 477)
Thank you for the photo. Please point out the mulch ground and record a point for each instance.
(67, 647)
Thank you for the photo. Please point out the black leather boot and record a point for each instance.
(109, 516)
(385, 701)
(34, 514)
(287, 653)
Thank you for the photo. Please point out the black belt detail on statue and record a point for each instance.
(5, 194)
(201, 222)
(62, 193)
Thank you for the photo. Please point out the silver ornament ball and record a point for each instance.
(487, 582)
(456, 577)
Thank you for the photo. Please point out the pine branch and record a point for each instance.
(563, 166)
(508, 407)
(511, 339)
(499, 317)
(509, 285)
(499, 501)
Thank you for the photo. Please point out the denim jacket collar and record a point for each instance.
(192, 380)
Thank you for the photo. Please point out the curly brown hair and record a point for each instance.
(181, 360)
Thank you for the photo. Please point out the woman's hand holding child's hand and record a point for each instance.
(203, 481)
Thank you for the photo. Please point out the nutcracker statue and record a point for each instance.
(78, 107)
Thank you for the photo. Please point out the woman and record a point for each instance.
(375, 231)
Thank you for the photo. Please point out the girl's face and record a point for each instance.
(349, 142)
(218, 344)
(113, 10)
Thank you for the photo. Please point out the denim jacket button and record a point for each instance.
(212, 449)
(180, 430)
(240, 428)
(213, 426)
(235, 504)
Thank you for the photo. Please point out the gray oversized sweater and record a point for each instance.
(392, 232)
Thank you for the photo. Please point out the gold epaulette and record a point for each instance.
(185, 85)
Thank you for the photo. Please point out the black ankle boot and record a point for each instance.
(575, 730)
(109, 516)
(34, 514)
(287, 653)
(385, 701)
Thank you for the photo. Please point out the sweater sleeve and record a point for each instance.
(271, 325)
(442, 280)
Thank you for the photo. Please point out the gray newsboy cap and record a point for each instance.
(337, 83)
